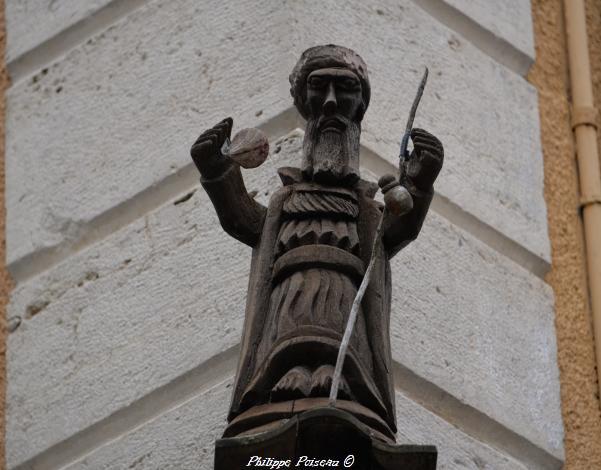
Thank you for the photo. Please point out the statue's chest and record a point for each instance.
(318, 215)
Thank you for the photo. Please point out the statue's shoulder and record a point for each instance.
(289, 177)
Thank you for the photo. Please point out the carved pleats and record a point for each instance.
(316, 296)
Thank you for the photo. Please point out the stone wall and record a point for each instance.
(130, 298)
(5, 281)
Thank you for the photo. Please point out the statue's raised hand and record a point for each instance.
(425, 162)
(206, 151)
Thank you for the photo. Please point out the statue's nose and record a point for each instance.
(330, 104)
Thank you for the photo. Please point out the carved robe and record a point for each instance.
(310, 250)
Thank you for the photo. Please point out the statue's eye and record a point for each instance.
(317, 83)
(349, 84)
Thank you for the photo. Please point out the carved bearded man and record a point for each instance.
(311, 246)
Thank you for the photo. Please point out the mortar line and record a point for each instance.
(490, 236)
(48, 51)
(470, 420)
(108, 222)
(483, 39)
(141, 412)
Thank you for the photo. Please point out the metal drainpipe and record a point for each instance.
(584, 124)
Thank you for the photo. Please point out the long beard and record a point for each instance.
(332, 157)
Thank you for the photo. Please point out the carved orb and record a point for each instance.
(249, 148)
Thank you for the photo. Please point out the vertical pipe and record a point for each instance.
(585, 131)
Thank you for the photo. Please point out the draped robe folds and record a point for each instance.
(264, 356)
(311, 295)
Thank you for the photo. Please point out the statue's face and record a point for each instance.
(332, 92)
(333, 129)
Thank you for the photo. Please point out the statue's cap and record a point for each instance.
(326, 56)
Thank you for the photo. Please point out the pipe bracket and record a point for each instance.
(589, 200)
(584, 116)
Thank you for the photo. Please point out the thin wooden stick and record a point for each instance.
(353, 315)
(372, 261)
(409, 126)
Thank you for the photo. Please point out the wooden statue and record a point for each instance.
(311, 247)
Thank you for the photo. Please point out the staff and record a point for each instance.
(402, 203)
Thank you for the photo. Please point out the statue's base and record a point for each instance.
(324, 438)
(266, 417)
